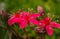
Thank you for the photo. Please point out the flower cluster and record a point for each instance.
(23, 18)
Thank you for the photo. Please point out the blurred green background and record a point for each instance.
(51, 7)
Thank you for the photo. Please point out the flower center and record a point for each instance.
(47, 21)
(26, 17)
(17, 15)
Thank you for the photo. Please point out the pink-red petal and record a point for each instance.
(24, 13)
(49, 30)
(55, 25)
(23, 24)
(42, 24)
(34, 15)
(33, 21)
(11, 20)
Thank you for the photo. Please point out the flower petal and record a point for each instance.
(24, 13)
(35, 15)
(23, 24)
(55, 25)
(42, 24)
(49, 30)
(11, 20)
(18, 20)
(33, 21)
(42, 21)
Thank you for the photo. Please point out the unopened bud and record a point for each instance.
(40, 9)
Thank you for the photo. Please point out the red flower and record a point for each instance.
(15, 18)
(30, 17)
(46, 23)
